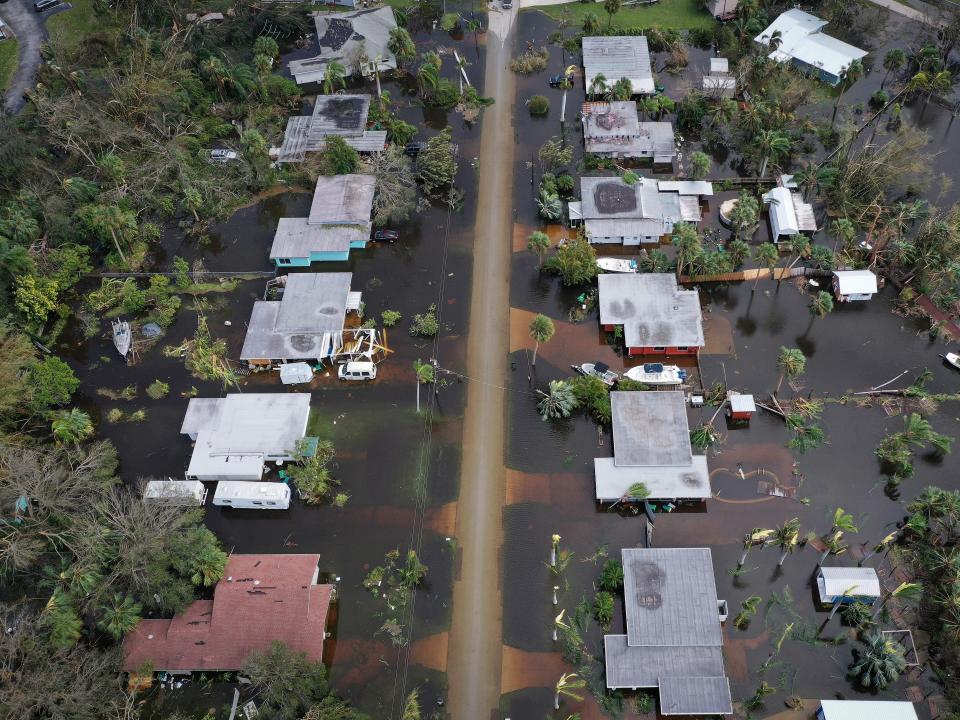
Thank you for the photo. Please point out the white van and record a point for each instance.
(357, 371)
(175, 492)
(252, 495)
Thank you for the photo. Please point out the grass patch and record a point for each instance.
(71, 27)
(680, 14)
(8, 62)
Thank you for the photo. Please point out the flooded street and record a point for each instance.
(475, 638)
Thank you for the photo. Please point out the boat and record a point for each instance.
(122, 338)
(617, 265)
(598, 370)
(952, 359)
(656, 374)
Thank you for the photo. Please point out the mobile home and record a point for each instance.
(252, 495)
(176, 492)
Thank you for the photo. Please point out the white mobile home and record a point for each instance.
(176, 492)
(252, 495)
(847, 585)
(866, 710)
(854, 285)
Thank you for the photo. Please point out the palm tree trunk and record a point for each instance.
(779, 383)
(883, 601)
(884, 81)
(536, 347)
(418, 396)
(563, 107)
(743, 556)
(783, 557)
(556, 701)
(833, 610)
(117, 245)
(763, 165)
(825, 552)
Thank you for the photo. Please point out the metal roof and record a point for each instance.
(801, 39)
(670, 482)
(345, 37)
(695, 696)
(835, 581)
(868, 710)
(643, 667)
(342, 200)
(298, 140)
(856, 282)
(617, 57)
(650, 428)
(670, 597)
(686, 187)
(339, 115)
(653, 310)
(719, 65)
(297, 238)
(742, 402)
(300, 324)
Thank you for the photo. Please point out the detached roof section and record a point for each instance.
(673, 638)
(801, 40)
(619, 57)
(346, 37)
(302, 324)
(653, 310)
(261, 599)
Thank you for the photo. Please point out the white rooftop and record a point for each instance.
(653, 309)
(789, 214)
(650, 428)
(719, 65)
(856, 282)
(801, 39)
(617, 57)
(867, 710)
(690, 481)
(742, 403)
(835, 581)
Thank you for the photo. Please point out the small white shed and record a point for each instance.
(866, 710)
(176, 492)
(295, 373)
(252, 495)
(854, 285)
(847, 585)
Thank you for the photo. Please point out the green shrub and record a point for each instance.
(390, 317)
(425, 324)
(449, 21)
(158, 389)
(538, 105)
(533, 60)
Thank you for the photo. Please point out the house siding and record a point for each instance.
(637, 351)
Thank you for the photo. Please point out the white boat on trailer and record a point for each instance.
(656, 374)
(598, 370)
(952, 359)
(617, 265)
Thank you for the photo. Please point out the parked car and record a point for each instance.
(222, 155)
(357, 371)
(41, 5)
(386, 235)
(507, 4)
(557, 80)
(413, 149)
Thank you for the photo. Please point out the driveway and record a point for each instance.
(28, 26)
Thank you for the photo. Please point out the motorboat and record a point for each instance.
(122, 338)
(952, 359)
(617, 265)
(656, 374)
(597, 370)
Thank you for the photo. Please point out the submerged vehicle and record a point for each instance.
(657, 374)
(598, 370)
(617, 265)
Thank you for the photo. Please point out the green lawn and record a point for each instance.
(73, 25)
(680, 14)
(8, 61)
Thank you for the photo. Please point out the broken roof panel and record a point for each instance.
(650, 428)
(653, 310)
(339, 115)
(346, 37)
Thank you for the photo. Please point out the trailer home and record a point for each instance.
(252, 495)
(175, 492)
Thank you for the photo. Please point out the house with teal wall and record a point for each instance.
(339, 221)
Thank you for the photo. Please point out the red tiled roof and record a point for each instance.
(261, 598)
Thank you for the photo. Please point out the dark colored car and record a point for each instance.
(386, 235)
(41, 5)
(557, 80)
(413, 149)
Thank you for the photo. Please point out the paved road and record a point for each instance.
(28, 26)
(474, 655)
(930, 15)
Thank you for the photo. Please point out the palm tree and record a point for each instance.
(425, 373)
(838, 601)
(637, 491)
(538, 243)
(599, 86)
(334, 76)
(757, 536)
(791, 362)
(820, 304)
(843, 520)
(787, 536)
(843, 230)
(612, 7)
(566, 84)
(833, 545)
(748, 608)
(880, 546)
(119, 616)
(647, 106)
(559, 402)
(893, 61)
(848, 76)
(71, 426)
(402, 46)
(699, 165)
(554, 544)
(566, 686)
(622, 89)
(541, 330)
(772, 144)
(879, 663)
(767, 255)
(904, 591)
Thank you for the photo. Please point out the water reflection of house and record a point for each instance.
(614, 129)
(339, 221)
(657, 316)
(795, 37)
(613, 211)
(854, 285)
(308, 322)
(847, 584)
(651, 445)
(343, 115)
(866, 710)
(358, 40)
(674, 641)
(261, 599)
(234, 437)
(617, 57)
(789, 214)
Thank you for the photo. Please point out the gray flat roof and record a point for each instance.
(600, 228)
(297, 238)
(610, 120)
(252, 423)
(617, 57)
(653, 310)
(342, 200)
(643, 667)
(695, 696)
(670, 596)
(200, 413)
(299, 325)
(650, 428)
(672, 482)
